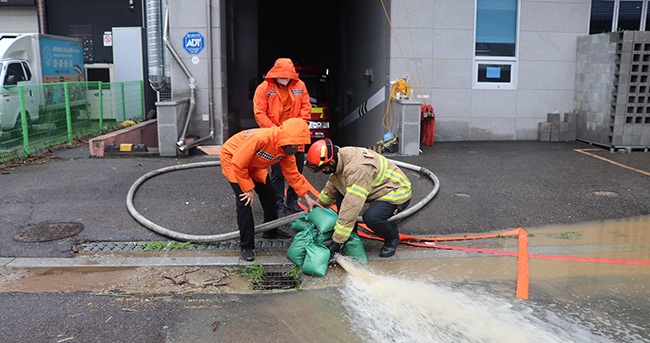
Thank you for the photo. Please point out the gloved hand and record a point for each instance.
(335, 248)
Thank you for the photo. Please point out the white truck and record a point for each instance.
(35, 61)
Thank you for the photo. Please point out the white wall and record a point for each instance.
(19, 19)
(190, 16)
(441, 57)
(433, 41)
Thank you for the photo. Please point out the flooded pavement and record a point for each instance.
(423, 295)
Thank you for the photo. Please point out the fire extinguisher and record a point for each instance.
(428, 124)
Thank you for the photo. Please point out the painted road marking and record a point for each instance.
(584, 151)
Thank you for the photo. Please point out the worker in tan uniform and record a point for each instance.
(357, 176)
(282, 95)
(245, 158)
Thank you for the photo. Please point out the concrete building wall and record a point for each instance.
(433, 42)
(441, 58)
(19, 19)
(364, 47)
(191, 16)
(596, 67)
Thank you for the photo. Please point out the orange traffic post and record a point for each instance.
(522, 265)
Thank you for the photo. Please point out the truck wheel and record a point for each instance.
(17, 131)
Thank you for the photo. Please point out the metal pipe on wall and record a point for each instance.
(167, 68)
(192, 84)
(210, 136)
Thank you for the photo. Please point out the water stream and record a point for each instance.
(389, 309)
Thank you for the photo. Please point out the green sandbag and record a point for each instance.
(323, 218)
(297, 250)
(353, 247)
(301, 224)
(316, 260)
(322, 237)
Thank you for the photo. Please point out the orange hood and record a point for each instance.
(294, 131)
(283, 69)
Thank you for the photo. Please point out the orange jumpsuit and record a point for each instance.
(245, 158)
(272, 105)
(267, 102)
(246, 155)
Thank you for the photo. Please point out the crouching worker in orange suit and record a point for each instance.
(359, 175)
(245, 158)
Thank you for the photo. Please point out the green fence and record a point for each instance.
(35, 117)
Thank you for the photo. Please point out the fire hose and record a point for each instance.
(260, 227)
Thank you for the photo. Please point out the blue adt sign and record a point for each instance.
(193, 42)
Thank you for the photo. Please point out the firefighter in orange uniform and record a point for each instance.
(282, 95)
(245, 158)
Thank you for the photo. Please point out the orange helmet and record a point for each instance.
(320, 153)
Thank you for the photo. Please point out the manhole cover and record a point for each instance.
(48, 232)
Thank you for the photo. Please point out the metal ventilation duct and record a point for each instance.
(154, 45)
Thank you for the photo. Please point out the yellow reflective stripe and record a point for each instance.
(398, 177)
(396, 196)
(324, 199)
(323, 154)
(358, 191)
(342, 230)
(383, 165)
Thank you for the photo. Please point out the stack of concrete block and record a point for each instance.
(557, 128)
(612, 89)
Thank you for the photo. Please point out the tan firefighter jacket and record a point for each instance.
(362, 176)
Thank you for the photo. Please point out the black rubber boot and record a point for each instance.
(389, 248)
(294, 207)
(292, 202)
(247, 254)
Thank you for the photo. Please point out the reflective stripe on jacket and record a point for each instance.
(362, 176)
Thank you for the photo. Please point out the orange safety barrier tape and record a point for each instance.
(514, 232)
(523, 278)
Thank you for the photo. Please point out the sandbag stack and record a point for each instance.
(309, 250)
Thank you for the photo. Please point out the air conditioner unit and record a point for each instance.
(101, 72)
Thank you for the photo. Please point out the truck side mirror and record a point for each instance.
(11, 80)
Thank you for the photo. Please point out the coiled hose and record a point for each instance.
(261, 227)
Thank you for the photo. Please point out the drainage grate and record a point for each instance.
(278, 280)
(48, 232)
(262, 244)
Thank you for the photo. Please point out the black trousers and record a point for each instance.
(245, 222)
(277, 179)
(377, 215)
